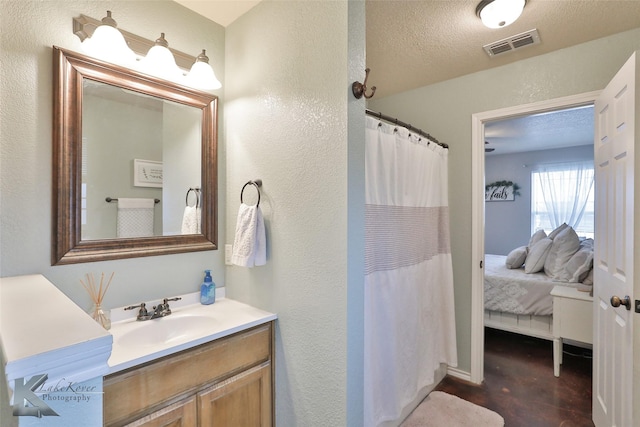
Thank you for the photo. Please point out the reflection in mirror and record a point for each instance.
(129, 152)
(154, 146)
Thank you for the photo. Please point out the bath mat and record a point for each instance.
(442, 409)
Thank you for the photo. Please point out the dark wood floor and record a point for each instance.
(519, 383)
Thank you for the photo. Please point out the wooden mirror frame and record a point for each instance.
(67, 247)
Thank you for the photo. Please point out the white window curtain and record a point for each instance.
(563, 191)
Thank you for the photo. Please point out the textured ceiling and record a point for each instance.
(558, 129)
(414, 43)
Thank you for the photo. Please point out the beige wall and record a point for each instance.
(445, 110)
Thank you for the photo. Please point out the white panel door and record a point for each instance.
(615, 224)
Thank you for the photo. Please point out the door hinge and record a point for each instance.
(480, 263)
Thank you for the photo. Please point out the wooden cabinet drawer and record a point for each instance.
(133, 393)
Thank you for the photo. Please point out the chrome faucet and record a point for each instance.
(161, 310)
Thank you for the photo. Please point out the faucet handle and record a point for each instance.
(163, 308)
(142, 314)
(141, 306)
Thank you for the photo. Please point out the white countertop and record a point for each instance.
(43, 332)
(223, 318)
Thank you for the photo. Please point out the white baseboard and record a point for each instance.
(458, 373)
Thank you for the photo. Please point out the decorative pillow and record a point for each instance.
(557, 231)
(516, 257)
(578, 266)
(537, 255)
(536, 237)
(586, 243)
(565, 244)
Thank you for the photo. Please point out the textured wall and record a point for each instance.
(286, 121)
(445, 110)
(29, 29)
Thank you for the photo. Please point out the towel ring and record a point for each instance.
(256, 183)
(196, 190)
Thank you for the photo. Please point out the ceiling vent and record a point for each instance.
(512, 43)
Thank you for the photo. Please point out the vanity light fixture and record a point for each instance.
(108, 44)
(160, 62)
(153, 58)
(202, 75)
(499, 13)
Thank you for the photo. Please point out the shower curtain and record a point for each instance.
(409, 309)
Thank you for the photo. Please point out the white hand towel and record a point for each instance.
(191, 220)
(250, 244)
(135, 217)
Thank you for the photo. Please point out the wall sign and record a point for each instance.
(147, 173)
(501, 191)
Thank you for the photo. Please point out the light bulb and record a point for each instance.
(160, 62)
(108, 44)
(202, 75)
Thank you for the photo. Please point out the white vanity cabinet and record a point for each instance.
(226, 382)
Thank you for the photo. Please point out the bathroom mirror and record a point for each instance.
(120, 135)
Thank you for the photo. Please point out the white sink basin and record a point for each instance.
(166, 330)
(188, 325)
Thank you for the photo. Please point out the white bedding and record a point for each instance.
(514, 291)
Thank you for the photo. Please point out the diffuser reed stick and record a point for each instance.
(96, 293)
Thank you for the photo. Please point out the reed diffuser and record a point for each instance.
(97, 293)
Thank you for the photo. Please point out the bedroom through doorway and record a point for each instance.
(510, 146)
(539, 177)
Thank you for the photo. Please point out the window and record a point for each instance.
(563, 192)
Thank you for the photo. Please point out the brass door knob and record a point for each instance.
(616, 301)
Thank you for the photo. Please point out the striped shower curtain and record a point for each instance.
(409, 308)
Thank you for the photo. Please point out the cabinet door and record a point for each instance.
(241, 401)
(180, 414)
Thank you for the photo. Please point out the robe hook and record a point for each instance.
(360, 89)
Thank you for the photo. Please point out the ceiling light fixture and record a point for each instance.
(499, 13)
(138, 53)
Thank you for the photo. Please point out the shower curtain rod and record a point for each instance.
(406, 125)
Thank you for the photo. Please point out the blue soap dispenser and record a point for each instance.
(208, 289)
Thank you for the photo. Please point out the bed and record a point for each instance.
(518, 302)
(517, 294)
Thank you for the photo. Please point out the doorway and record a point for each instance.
(479, 121)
